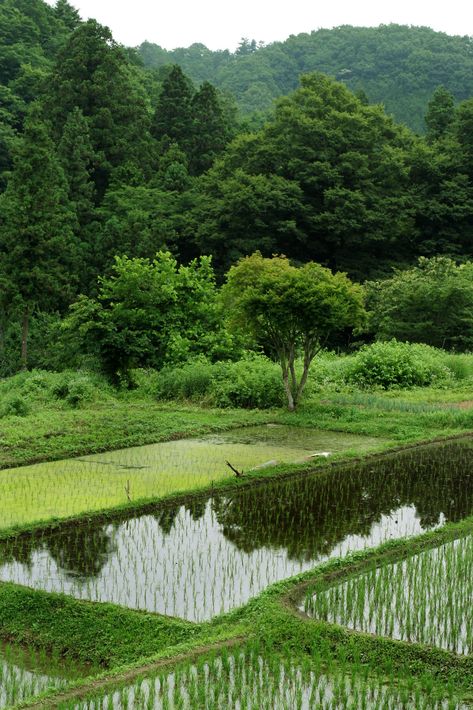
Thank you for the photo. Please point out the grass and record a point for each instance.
(248, 678)
(115, 422)
(315, 657)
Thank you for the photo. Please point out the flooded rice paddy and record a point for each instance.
(25, 673)
(60, 489)
(213, 554)
(250, 682)
(426, 598)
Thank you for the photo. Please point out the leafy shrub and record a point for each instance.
(252, 382)
(15, 406)
(249, 383)
(393, 364)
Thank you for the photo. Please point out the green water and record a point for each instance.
(59, 489)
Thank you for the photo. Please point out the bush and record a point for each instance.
(15, 406)
(252, 382)
(393, 364)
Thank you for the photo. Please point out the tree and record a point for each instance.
(347, 163)
(68, 15)
(173, 116)
(93, 74)
(430, 303)
(147, 314)
(37, 247)
(290, 311)
(209, 129)
(440, 114)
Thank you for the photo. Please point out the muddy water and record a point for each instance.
(197, 560)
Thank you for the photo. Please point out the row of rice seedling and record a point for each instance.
(64, 488)
(250, 681)
(25, 673)
(425, 598)
(212, 555)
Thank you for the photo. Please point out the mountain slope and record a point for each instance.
(396, 65)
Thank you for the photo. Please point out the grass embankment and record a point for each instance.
(272, 621)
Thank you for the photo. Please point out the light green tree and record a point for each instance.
(290, 311)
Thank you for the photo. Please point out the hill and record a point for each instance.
(396, 65)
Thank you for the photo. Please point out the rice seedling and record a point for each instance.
(199, 559)
(248, 680)
(426, 598)
(25, 673)
(64, 488)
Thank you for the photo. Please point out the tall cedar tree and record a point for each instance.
(37, 249)
(93, 74)
(440, 114)
(173, 116)
(67, 14)
(210, 132)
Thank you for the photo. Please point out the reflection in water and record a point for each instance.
(254, 681)
(25, 673)
(214, 555)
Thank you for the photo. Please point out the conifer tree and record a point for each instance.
(173, 116)
(210, 133)
(440, 113)
(37, 247)
(67, 14)
(93, 74)
(78, 161)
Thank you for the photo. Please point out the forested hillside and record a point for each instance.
(102, 159)
(395, 65)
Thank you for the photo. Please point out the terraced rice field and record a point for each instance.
(427, 598)
(211, 555)
(247, 681)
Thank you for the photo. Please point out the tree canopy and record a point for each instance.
(290, 311)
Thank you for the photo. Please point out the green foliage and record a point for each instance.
(394, 364)
(14, 406)
(398, 66)
(288, 310)
(326, 179)
(253, 382)
(440, 114)
(149, 313)
(37, 246)
(92, 74)
(430, 303)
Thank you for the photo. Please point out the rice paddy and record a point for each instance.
(426, 598)
(60, 489)
(208, 556)
(248, 681)
(26, 673)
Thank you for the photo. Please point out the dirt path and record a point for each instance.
(110, 682)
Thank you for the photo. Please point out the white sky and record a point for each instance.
(220, 25)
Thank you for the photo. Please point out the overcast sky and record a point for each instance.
(220, 24)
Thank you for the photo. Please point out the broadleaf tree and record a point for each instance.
(290, 311)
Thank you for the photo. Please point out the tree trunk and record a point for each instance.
(24, 338)
(287, 387)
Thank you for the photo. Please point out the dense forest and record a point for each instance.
(395, 65)
(105, 163)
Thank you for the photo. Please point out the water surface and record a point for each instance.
(214, 554)
(58, 489)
